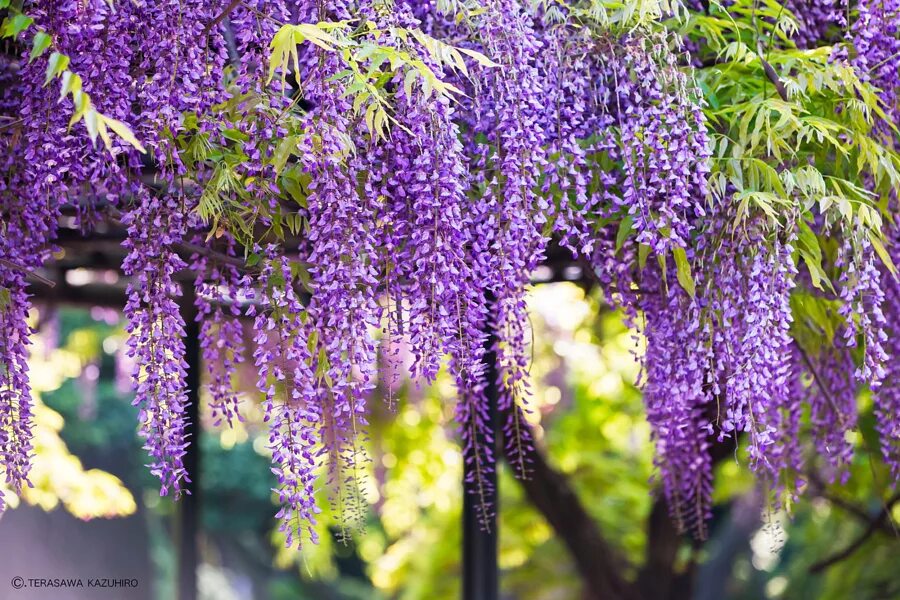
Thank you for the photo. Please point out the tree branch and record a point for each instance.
(887, 526)
(874, 525)
(598, 564)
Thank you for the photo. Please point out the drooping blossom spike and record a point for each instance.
(220, 291)
(756, 364)
(833, 411)
(156, 334)
(663, 141)
(816, 19)
(15, 390)
(876, 39)
(421, 177)
(570, 89)
(292, 398)
(887, 397)
(510, 216)
(862, 295)
(343, 307)
(673, 383)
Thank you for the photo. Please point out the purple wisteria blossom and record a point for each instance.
(862, 295)
(220, 290)
(156, 334)
(292, 394)
(288, 207)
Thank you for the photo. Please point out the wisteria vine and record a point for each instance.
(338, 174)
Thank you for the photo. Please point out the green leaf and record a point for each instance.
(71, 83)
(643, 253)
(122, 130)
(103, 131)
(626, 227)
(809, 240)
(235, 135)
(13, 26)
(480, 58)
(709, 94)
(816, 272)
(283, 152)
(57, 64)
(302, 273)
(82, 104)
(294, 184)
(91, 121)
(683, 271)
(39, 45)
(882, 253)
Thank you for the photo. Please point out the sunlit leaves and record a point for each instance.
(369, 65)
(96, 123)
(15, 24)
(39, 44)
(57, 64)
(445, 54)
(781, 157)
(625, 14)
(284, 47)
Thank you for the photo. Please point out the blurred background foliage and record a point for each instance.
(589, 423)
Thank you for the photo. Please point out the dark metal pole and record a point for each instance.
(480, 575)
(189, 505)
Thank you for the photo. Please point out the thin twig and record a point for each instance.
(874, 525)
(821, 385)
(11, 124)
(846, 505)
(115, 217)
(210, 253)
(767, 67)
(774, 78)
(219, 18)
(22, 269)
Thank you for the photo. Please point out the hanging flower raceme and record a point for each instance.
(341, 254)
(876, 38)
(509, 239)
(816, 19)
(663, 143)
(419, 176)
(675, 371)
(220, 291)
(570, 88)
(753, 350)
(183, 62)
(156, 333)
(32, 192)
(292, 390)
(15, 391)
(870, 291)
(832, 400)
(887, 397)
(862, 295)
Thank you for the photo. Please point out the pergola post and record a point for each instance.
(189, 505)
(479, 552)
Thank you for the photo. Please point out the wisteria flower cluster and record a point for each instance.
(347, 179)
